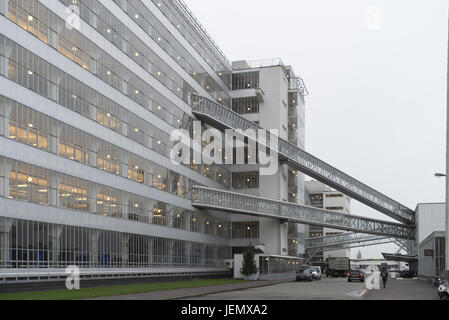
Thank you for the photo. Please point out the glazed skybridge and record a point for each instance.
(214, 199)
(221, 117)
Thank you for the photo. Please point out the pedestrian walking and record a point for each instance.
(384, 275)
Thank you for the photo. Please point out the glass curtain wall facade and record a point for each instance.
(86, 114)
(91, 110)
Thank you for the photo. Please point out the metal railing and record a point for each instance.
(262, 63)
(215, 199)
(298, 84)
(311, 253)
(212, 112)
(340, 240)
(198, 27)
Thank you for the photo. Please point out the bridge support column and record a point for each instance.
(283, 241)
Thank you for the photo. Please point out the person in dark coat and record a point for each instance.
(384, 275)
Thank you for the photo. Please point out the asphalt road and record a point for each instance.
(326, 289)
(404, 289)
(333, 289)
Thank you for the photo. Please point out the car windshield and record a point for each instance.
(308, 271)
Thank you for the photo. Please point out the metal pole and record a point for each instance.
(447, 173)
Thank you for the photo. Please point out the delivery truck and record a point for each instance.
(338, 266)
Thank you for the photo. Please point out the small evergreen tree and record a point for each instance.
(249, 263)
(359, 255)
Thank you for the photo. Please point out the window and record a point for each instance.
(245, 230)
(316, 200)
(159, 214)
(245, 105)
(28, 126)
(28, 186)
(334, 195)
(245, 180)
(334, 208)
(245, 80)
(108, 163)
(73, 195)
(136, 174)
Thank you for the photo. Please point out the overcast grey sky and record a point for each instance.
(376, 72)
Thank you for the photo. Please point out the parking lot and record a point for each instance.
(326, 289)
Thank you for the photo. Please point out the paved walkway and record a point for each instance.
(192, 292)
(406, 289)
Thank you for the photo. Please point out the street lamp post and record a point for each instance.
(447, 170)
(442, 175)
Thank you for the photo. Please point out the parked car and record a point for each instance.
(316, 272)
(394, 273)
(356, 275)
(306, 275)
(406, 274)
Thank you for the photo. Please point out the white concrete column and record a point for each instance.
(170, 258)
(55, 236)
(124, 160)
(124, 127)
(93, 112)
(123, 87)
(203, 254)
(283, 238)
(53, 89)
(124, 249)
(94, 238)
(92, 194)
(124, 203)
(4, 4)
(5, 243)
(171, 216)
(150, 243)
(202, 225)
(54, 37)
(4, 125)
(187, 220)
(93, 21)
(5, 168)
(147, 214)
(93, 153)
(53, 191)
(55, 134)
(5, 60)
(187, 254)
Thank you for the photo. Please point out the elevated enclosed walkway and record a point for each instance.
(214, 199)
(345, 240)
(221, 117)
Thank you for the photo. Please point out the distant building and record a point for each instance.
(321, 196)
(430, 239)
(268, 93)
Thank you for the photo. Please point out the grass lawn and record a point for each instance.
(112, 290)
